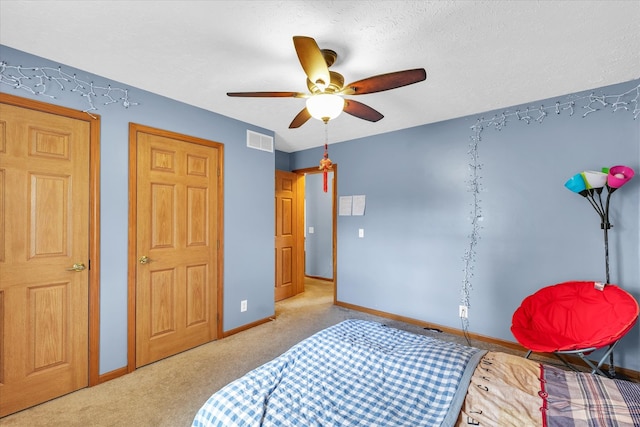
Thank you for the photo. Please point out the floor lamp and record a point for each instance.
(590, 185)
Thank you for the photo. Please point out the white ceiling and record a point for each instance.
(479, 55)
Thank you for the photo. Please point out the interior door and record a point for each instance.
(44, 256)
(287, 247)
(177, 242)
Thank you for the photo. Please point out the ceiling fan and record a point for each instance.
(326, 88)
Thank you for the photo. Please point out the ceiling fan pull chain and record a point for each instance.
(325, 162)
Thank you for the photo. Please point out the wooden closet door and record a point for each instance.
(177, 244)
(44, 256)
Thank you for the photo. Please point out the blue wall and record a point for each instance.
(282, 161)
(248, 188)
(533, 231)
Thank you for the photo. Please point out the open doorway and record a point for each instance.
(319, 225)
(292, 230)
(318, 229)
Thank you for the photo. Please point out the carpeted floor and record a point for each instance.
(169, 392)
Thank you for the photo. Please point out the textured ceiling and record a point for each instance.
(479, 55)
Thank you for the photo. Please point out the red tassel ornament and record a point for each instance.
(325, 166)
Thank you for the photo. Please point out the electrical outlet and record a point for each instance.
(243, 305)
(463, 311)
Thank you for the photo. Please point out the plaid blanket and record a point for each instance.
(356, 373)
(580, 399)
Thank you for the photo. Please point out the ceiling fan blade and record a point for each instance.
(300, 119)
(358, 109)
(312, 60)
(387, 81)
(268, 94)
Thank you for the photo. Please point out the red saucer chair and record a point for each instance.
(575, 318)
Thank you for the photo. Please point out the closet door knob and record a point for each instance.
(77, 267)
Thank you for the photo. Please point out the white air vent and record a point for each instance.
(259, 141)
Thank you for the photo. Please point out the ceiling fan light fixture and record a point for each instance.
(324, 101)
(325, 106)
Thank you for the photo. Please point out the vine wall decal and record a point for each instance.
(628, 101)
(43, 81)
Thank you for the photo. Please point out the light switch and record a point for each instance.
(361, 233)
(311, 230)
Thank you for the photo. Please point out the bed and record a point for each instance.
(363, 373)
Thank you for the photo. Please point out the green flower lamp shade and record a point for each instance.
(619, 176)
(576, 184)
(594, 179)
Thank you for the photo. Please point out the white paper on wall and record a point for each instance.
(344, 208)
(358, 205)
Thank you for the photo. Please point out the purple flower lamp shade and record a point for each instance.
(619, 176)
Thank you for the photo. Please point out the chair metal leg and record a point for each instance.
(567, 364)
(612, 367)
(595, 368)
(609, 354)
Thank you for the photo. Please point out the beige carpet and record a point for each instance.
(169, 392)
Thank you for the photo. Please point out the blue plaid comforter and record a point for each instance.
(356, 373)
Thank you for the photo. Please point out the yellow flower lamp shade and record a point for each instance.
(594, 180)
